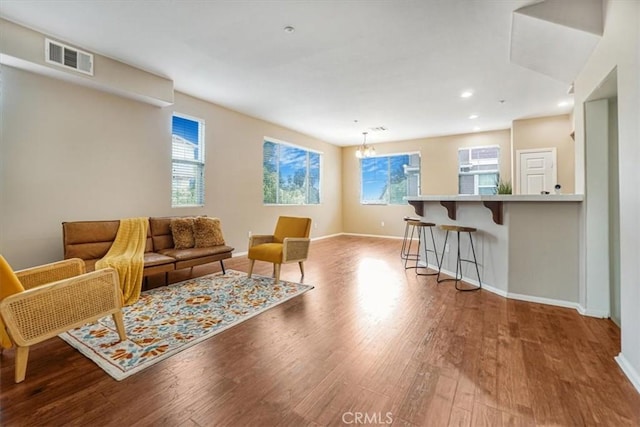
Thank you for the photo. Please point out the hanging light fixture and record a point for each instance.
(365, 150)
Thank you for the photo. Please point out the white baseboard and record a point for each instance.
(542, 300)
(372, 235)
(600, 314)
(326, 237)
(629, 371)
(496, 291)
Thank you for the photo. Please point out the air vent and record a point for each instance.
(378, 129)
(68, 57)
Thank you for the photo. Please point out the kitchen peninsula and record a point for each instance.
(527, 245)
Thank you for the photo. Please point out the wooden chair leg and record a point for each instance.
(119, 321)
(251, 262)
(22, 354)
(276, 273)
(301, 268)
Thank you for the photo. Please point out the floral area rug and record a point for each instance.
(172, 318)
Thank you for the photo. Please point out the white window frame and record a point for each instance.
(478, 162)
(388, 202)
(198, 163)
(299, 147)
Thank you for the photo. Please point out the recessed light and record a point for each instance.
(466, 94)
(473, 116)
(476, 128)
(289, 29)
(563, 103)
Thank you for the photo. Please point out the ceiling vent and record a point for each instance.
(68, 57)
(378, 129)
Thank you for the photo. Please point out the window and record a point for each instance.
(389, 179)
(291, 175)
(187, 161)
(479, 170)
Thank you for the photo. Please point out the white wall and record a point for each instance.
(620, 47)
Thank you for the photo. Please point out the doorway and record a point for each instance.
(537, 170)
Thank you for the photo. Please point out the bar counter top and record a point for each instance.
(501, 198)
(493, 202)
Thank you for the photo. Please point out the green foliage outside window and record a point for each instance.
(291, 175)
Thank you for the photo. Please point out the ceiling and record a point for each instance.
(401, 65)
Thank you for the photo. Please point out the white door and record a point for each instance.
(537, 171)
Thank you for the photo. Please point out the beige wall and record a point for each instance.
(548, 132)
(73, 153)
(25, 48)
(234, 173)
(439, 175)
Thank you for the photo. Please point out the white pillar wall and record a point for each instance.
(597, 208)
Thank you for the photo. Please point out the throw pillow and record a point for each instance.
(207, 232)
(182, 232)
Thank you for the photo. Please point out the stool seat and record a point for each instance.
(458, 228)
(420, 223)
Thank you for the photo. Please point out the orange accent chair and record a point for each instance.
(289, 243)
(41, 302)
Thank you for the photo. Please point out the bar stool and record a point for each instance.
(403, 251)
(459, 229)
(420, 226)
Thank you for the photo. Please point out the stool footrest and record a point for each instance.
(474, 288)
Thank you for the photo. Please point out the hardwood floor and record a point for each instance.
(371, 344)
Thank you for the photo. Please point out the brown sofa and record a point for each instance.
(90, 241)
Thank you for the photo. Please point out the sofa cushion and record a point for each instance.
(88, 239)
(182, 231)
(161, 233)
(152, 258)
(184, 254)
(207, 232)
(92, 239)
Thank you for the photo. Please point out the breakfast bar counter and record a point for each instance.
(527, 245)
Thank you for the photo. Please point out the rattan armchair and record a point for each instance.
(289, 243)
(58, 297)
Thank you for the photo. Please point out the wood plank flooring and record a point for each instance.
(371, 344)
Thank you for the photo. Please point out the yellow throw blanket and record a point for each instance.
(126, 255)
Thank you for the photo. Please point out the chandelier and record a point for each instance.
(365, 150)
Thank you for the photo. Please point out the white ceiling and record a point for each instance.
(397, 64)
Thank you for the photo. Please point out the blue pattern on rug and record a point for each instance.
(172, 318)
